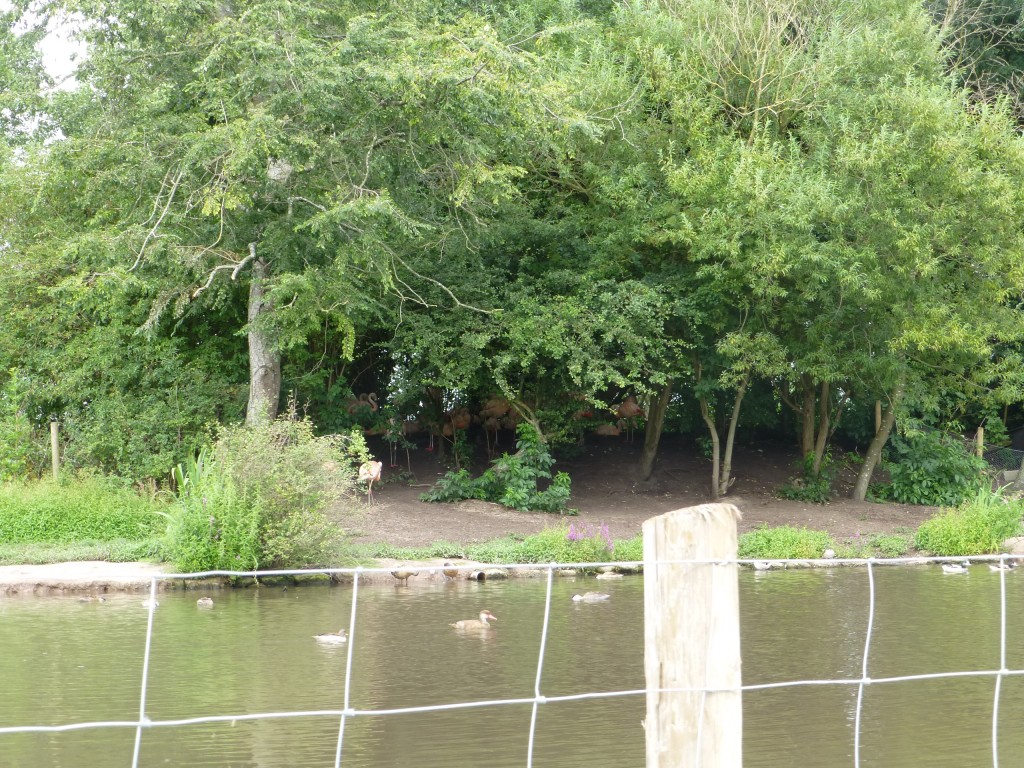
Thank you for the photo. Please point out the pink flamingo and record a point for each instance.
(368, 473)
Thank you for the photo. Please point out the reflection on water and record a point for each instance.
(66, 661)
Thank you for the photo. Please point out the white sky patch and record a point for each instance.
(60, 50)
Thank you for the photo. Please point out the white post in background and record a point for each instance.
(55, 448)
(692, 639)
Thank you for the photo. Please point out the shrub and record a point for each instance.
(512, 480)
(78, 509)
(977, 526)
(784, 543)
(815, 488)
(930, 468)
(260, 498)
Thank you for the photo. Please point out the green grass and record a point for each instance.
(551, 545)
(70, 511)
(111, 551)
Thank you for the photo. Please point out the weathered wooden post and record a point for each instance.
(692, 639)
(981, 442)
(55, 448)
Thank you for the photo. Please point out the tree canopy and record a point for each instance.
(811, 204)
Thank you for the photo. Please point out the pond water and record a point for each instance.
(64, 661)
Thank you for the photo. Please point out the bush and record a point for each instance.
(814, 488)
(72, 510)
(930, 468)
(978, 526)
(512, 481)
(260, 498)
(784, 543)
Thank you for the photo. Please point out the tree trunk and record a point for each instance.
(823, 427)
(652, 431)
(807, 416)
(264, 359)
(715, 445)
(860, 490)
(725, 480)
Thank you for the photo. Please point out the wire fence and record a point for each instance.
(344, 715)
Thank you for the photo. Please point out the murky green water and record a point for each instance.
(64, 661)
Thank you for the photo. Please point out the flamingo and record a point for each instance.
(368, 473)
(628, 410)
(365, 400)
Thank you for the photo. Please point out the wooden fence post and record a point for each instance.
(692, 639)
(981, 442)
(55, 448)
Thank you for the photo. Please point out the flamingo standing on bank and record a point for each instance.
(628, 411)
(368, 473)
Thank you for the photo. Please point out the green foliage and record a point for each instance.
(890, 544)
(512, 480)
(558, 544)
(266, 496)
(18, 455)
(784, 543)
(930, 468)
(75, 510)
(978, 526)
(629, 550)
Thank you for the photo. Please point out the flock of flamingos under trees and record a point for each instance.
(497, 413)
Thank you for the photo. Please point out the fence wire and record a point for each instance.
(348, 711)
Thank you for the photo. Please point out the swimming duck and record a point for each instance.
(205, 602)
(956, 567)
(92, 599)
(332, 638)
(591, 597)
(608, 576)
(404, 576)
(762, 565)
(1003, 565)
(481, 623)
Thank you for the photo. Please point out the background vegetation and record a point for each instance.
(756, 218)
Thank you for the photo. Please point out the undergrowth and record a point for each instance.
(513, 481)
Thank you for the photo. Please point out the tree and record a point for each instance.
(195, 154)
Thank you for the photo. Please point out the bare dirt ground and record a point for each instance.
(605, 493)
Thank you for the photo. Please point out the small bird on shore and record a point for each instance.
(591, 597)
(481, 623)
(332, 638)
(449, 571)
(403, 575)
